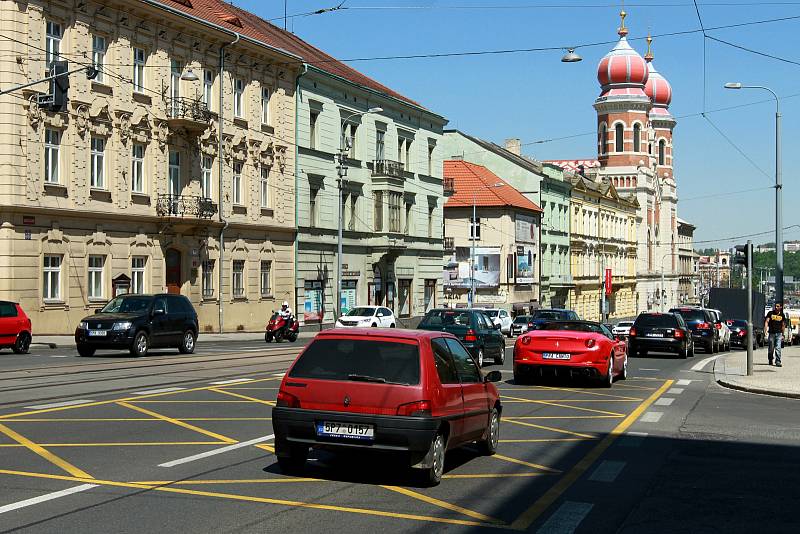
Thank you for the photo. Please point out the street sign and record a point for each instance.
(609, 280)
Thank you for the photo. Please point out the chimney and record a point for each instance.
(514, 146)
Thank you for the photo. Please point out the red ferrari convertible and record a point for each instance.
(571, 348)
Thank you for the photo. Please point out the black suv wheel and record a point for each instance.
(141, 344)
(187, 342)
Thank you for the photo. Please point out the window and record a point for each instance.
(51, 289)
(206, 187)
(312, 206)
(174, 176)
(265, 105)
(349, 138)
(353, 211)
(99, 48)
(637, 138)
(139, 60)
(266, 278)
(208, 87)
(237, 281)
(52, 145)
(176, 68)
(238, 98)
(97, 180)
(394, 212)
(137, 168)
(380, 145)
(431, 148)
(662, 152)
(431, 211)
(96, 265)
(619, 138)
(445, 367)
(407, 225)
(404, 152)
(138, 266)
(378, 222)
(312, 130)
(53, 42)
(465, 365)
(264, 186)
(430, 294)
(475, 228)
(208, 278)
(237, 183)
(603, 139)
(404, 298)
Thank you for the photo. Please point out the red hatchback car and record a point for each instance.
(15, 328)
(572, 348)
(410, 393)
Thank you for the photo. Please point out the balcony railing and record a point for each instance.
(448, 186)
(449, 243)
(387, 167)
(188, 112)
(185, 206)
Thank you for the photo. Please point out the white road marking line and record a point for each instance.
(567, 518)
(674, 391)
(60, 356)
(684, 382)
(651, 417)
(280, 374)
(645, 369)
(705, 361)
(46, 497)
(232, 381)
(154, 391)
(607, 471)
(633, 439)
(664, 401)
(59, 404)
(214, 452)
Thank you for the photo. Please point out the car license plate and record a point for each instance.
(345, 430)
(655, 335)
(97, 333)
(555, 356)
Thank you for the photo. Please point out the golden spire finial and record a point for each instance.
(649, 55)
(622, 31)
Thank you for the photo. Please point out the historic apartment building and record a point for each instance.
(125, 190)
(505, 236)
(689, 281)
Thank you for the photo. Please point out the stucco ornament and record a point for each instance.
(82, 119)
(162, 133)
(124, 126)
(34, 113)
(280, 156)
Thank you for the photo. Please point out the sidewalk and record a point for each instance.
(730, 370)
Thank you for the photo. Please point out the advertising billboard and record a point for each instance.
(487, 268)
(526, 229)
(526, 264)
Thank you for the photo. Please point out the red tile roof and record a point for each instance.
(248, 24)
(574, 164)
(468, 178)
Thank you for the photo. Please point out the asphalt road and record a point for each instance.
(173, 443)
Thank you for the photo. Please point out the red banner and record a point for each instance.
(609, 279)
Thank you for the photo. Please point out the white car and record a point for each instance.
(367, 316)
(623, 328)
(500, 317)
(724, 332)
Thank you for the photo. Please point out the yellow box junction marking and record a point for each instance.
(177, 422)
(550, 428)
(250, 399)
(44, 453)
(442, 504)
(559, 405)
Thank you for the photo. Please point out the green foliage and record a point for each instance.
(766, 260)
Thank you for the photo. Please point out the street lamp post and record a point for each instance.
(778, 189)
(663, 294)
(341, 171)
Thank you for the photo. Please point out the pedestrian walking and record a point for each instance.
(775, 324)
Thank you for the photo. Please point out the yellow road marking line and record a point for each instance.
(631, 386)
(549, 403)
(579, 390)
(543, 440)
(523, 462)
(530, 515)
(582, 400)
(550, 428)
(121, 419)
(237, 389)
(268, 448)
(567, 417)
(498, 475)
(178, 423)
(244, 481)
(247, 498)
(44, 453)
(125, 444)
(443, 504)
(251, 399)
(112, 401)
(190, 401)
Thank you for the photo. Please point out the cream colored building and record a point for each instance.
(125, 182)
(602, 236)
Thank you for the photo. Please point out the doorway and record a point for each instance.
(174, 281)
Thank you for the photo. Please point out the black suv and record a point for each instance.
(139, 322)
(473, 328)
(703, 324)
(660, 332)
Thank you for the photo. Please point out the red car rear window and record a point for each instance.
(8, 309)
(359, 359)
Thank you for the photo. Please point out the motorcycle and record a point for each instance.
(277, 329)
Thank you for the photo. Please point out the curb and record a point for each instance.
(750, 389)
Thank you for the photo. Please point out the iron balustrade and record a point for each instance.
(188, 109)
(387, 167)
(185, 206)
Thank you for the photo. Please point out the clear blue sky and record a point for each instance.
(533, 96)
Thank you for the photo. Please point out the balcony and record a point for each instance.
(448, 186)
(185, 206)
(188, 114)
(387, 167)
(449, 243)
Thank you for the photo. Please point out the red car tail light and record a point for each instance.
(530, 325)
(470, 335)
(742, 333)
(415, 409)
(590, 343)
(526, 340)
(703, 326)
(287, 400)
(679, 334)
(718, 325)
(632, 332)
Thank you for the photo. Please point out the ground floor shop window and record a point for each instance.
(138, 265)
(390, 296)
(349, 295)
(96, 268)
(313, 309)
(430, 294)
(208, 278)
(375, 294)
(237, 281)
(52, 277)
(266, 278)
(404, 298)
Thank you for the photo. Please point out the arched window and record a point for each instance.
(637, 135)
(662, 152)
(619, 140)
(603, 139)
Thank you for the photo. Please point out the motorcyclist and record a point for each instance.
(286, 313)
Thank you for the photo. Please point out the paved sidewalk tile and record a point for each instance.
(730, 370)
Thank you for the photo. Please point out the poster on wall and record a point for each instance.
(526, 229)
(312, 310)
(487, 268)
(526, 263)
(348, 296)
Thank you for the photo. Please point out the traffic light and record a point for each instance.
(59, 85)
(741, 255)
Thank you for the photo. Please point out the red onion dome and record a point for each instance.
(657, 88)
(622, 66)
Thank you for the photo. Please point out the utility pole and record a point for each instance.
(341, 171)
(750, 308)
(473, 231)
